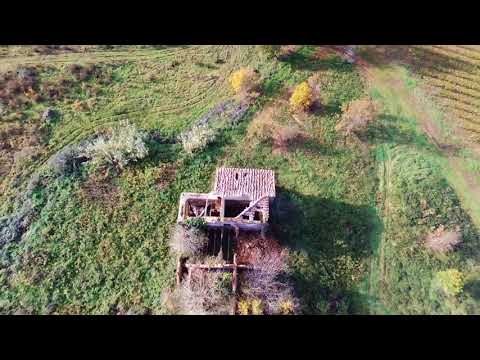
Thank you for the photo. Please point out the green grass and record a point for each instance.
(414, 199)
(91, 256)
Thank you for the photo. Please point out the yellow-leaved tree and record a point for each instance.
(244, 80)
(302, 97)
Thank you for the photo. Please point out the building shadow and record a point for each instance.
(324, 230)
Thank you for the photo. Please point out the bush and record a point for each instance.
(451, 281)
(197, 138)
(243, 307)
(188, 240)
(250, 306)
(286, 307)
(244, 80)
(357, 115)
(124, 145)
(257, 307)
(271, 51)
(67, 161)
(302, 97)
(203, 297)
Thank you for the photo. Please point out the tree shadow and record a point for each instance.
(324, 231)
(386, 130)
(416, 58)
(473, 288)
(307, 60)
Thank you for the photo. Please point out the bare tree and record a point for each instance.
(205, 295)
(188, 240)
(357, 115)
(269, 282)
(443, 240)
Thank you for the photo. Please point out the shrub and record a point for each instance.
(271, 51)
(357, 115)
(198, 223)
(302, 97)
(442, 240)
(197, 138)
(203, 297)
(243, 307)
(286, 307)
(257, 307)
(125, 144)
(244, 80)
(283, 136)
(188, 240)
(451, 281)
(268, 282)
(262, 125)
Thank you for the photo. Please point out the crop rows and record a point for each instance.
(452, 76)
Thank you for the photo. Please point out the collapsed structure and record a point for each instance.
(240, 198)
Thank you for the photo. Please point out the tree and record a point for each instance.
(302, 97)
(244, 80)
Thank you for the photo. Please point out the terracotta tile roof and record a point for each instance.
(251, 182)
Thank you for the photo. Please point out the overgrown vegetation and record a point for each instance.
(189, 240)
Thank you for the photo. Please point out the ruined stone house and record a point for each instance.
(240, 198)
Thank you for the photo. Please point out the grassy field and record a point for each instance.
(414, 197)
(350, 211)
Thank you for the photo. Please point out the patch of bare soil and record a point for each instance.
(165, 175)
(18, 143)
(443, 240)
(100, 190)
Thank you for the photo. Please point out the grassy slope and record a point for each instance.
(86, 257)
(415, 198)
(325, 192)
